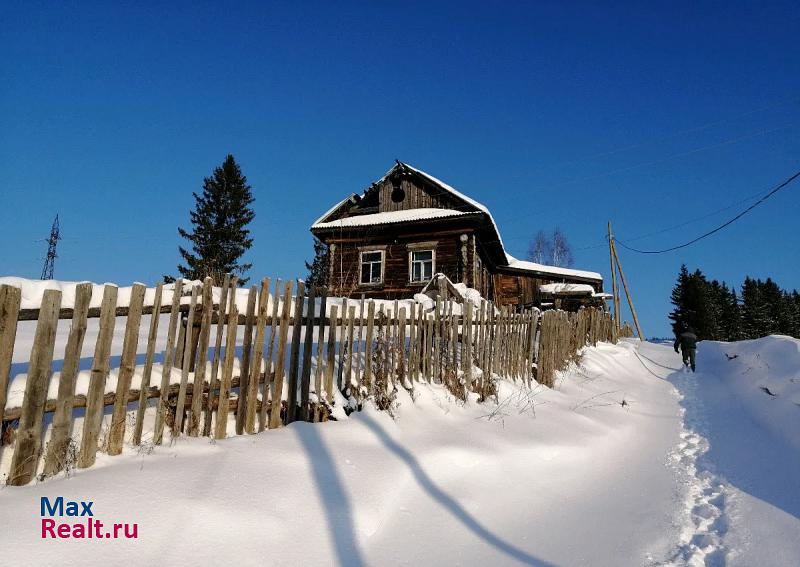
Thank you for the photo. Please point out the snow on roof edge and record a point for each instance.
(390, 217)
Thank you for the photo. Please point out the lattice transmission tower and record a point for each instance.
(50, 261)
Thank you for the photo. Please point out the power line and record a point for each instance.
(717, 229)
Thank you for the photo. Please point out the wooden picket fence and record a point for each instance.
(362, 349)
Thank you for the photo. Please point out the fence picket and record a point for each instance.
(93, 417)
(62, 418)
(127, 366)
(255, 366)
(277, 385)
(244, 368)
(10, 299)
(305, 377)
(29, 434)
(152, 335)
(221, 318)
(186, 366)
(166, 367)
(331, 353)
(269, 374)
(294, 355)
(221, 425)
(202, 358)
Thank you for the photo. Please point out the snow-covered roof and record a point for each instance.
(423, 214)
(566, 289)
(557, 270)
(391, 217)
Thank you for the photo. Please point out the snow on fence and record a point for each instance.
(301, 356)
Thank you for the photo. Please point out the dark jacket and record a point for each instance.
(686, 340)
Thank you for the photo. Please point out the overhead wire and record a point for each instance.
(727, 223)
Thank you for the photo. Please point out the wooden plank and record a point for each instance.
(359, 371)
(202, 357)
(247, 345)
(186, 365)
(342, 347)
(93, 418)
(277, 385)
(308, 343)
(294, 360)
(29, 434)
(116, 434)
(268, 369)
(221, 320)
(466, 333)
(166, 366)
(62, 418)
(10, 299)
(221, 425)
(331, 354)
(323, 309)
(348, 368)
(258, 352)
(368, 345)
(152, 337)
(437, 342)
(402, 363)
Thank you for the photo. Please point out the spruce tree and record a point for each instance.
(319, 266)
(219, 236)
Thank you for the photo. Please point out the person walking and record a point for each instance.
(687, 341)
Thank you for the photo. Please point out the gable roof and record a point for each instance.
(505, 261)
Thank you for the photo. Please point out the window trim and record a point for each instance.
(371, 250)
(419, 248)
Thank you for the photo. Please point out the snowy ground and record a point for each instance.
(690, 470)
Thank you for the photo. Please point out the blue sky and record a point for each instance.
(551, 114)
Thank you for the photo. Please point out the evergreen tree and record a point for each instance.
(318, 267)
(755, 316)
(219, 236)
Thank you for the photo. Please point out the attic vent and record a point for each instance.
(398, 194)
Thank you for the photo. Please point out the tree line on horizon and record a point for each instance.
(717, 312)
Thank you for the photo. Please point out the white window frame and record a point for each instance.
(411, 253)
(361, 253)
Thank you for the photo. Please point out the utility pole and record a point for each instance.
(614, 289)
(627, 291)
(50, 261)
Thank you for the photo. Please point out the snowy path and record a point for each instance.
(738, 460)
(571, 476)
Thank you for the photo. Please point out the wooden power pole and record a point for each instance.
(627, 291)
(614, 290)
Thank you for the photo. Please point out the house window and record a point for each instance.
(422, 265)
(372, 267)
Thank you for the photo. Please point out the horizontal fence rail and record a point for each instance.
(219, 361)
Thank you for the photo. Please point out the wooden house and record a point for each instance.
(389, 241)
